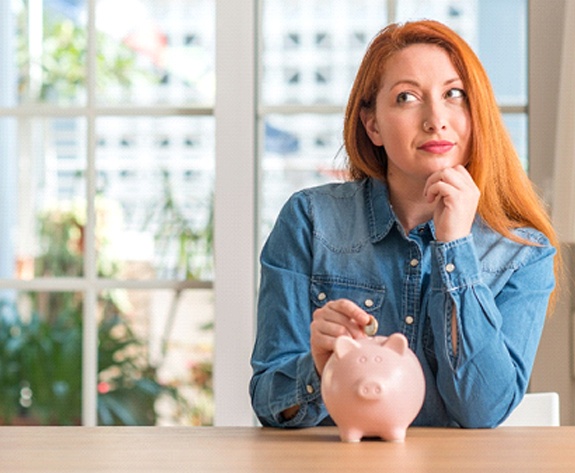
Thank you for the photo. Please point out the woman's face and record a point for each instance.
(421, 115)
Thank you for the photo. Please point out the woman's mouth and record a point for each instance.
(437, 147)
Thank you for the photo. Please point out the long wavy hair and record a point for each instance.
(508, 199)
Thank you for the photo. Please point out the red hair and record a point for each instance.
(508, 199)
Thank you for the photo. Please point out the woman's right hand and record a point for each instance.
(336, 318)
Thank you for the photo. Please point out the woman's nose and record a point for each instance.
(434, 119)
(431, 126)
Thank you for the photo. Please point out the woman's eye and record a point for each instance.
(456, 94)
(405, 97)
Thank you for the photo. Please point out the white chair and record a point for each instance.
(535, 410)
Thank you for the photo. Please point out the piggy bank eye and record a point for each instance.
(377, 359)
(362, 359)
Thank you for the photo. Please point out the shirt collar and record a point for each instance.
(380, 215)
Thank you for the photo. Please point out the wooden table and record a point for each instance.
(254, 449)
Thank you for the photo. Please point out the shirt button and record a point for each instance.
(309, 388)
(368, 303)
(321, 296)
(414, 262)
(409, 320)
(450, 267)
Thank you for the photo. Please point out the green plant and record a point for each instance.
(64, 66)
(127, 385)
(41, 348)
(40, 370)
(40, 367)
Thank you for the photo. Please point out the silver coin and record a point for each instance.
(371, 328)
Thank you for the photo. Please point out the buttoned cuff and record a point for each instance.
(456, 264)
(308, 395)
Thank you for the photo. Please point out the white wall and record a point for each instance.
(553, 365)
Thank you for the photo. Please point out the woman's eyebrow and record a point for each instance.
(417, 84)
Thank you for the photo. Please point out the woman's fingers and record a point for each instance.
(334, 319)
(456, 198)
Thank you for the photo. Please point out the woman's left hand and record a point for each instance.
(456, 197)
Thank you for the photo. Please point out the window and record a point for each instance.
(130, 166)
(107, 300)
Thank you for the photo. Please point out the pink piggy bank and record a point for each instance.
(373, 387)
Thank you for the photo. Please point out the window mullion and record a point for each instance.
(90, 327)
(235, 219)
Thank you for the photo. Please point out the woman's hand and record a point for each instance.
(456, 197)
(336, 318)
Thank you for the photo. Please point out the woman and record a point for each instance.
(438, 235)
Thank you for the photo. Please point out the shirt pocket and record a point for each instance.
(324, 289)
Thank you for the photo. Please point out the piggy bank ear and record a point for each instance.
(344, 345)
(380, 340)
(397, 342)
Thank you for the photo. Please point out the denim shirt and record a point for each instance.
(344, 241)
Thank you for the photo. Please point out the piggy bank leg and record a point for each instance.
(350, 435)
(396, 434)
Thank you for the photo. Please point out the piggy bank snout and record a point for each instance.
(370, 390)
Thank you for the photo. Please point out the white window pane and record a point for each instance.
(46, 207)
(51, 39)
(155, 186)
(502, 47)
(517, 125)
(312, 48)
(156, 52)
(461, 15)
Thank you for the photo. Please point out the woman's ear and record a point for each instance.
(371, 126)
